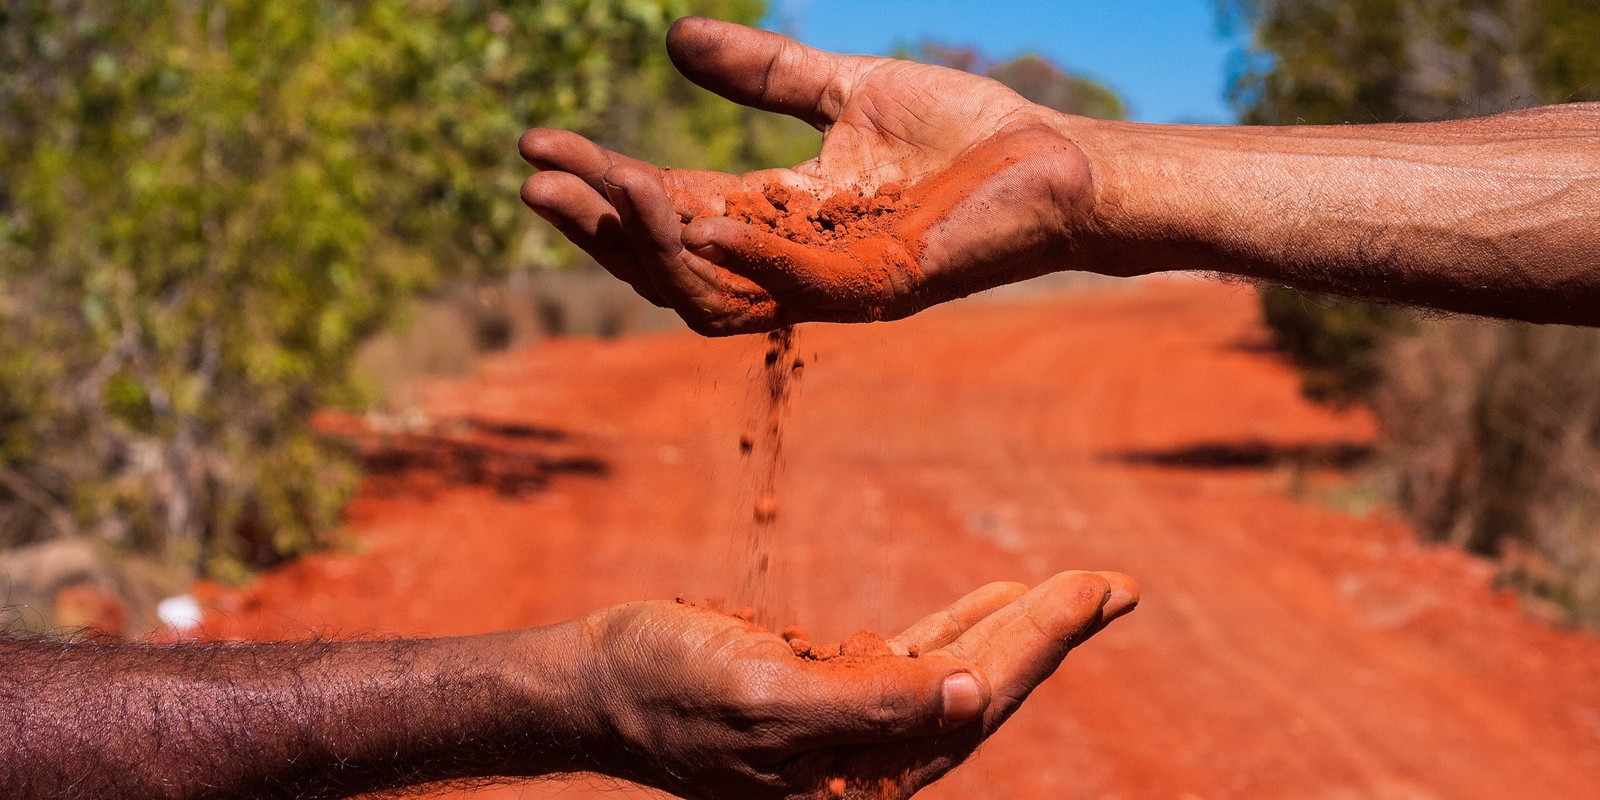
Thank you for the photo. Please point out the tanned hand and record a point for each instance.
(1008, 194)
(1495, 216)
(686, 699)
(723, 709)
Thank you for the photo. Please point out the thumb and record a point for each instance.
(762, 69)
(1022, 644)
(888, 699)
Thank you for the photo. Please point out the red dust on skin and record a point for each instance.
(858, 254)
(863, 645)
(843, 218)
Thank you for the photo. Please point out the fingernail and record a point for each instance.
(710, 252)
(619, 200)
(962, 699)
(1120, 602)
(1123, 598)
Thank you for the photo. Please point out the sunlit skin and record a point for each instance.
(1495, 216)
(688, 699)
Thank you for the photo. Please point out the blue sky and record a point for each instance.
(1166, 58)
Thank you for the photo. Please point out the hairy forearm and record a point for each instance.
(327, 719)
(1497, 216)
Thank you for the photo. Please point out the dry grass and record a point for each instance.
(1492, 441)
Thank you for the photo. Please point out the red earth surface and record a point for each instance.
(1284, 647)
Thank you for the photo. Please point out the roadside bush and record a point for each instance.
(1334, 341)
(1489, 429)
(1492, 441)
(207, 206)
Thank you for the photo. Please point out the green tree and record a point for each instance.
(206, 205)
(1323, 62)
(1031, 75)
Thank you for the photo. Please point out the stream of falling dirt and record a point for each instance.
(762, 443)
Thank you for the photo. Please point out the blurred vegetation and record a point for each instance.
(1491, 430)
(206, 206)
(1030, 75)
(1334, 340)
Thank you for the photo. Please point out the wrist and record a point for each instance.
(1094, 233)
(547, 672)
(1131, 225)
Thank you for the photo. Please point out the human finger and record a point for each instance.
(1124, 595)
(565, 151)
(553, 149)
(688, 283)
(943, 627)
(762, 69)
(1020, 645)
(590, 222)
(693, 191)
(879, 700)
(699, 192)
(855, 284)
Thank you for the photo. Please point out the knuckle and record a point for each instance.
(890, 713)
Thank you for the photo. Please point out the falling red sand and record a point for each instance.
(780, 369)
(1283, 648)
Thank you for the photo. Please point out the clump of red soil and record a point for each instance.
(864, 644)
(848, 216)
(860, 646)
(847, 253)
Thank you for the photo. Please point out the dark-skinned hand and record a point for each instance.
(708, 706)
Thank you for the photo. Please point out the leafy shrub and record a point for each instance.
(206, 206)
(1492, 440)
(1491, 431)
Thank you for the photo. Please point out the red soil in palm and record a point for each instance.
(835, 222)
(1283, 648)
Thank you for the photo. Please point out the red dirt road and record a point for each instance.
(1283, 648)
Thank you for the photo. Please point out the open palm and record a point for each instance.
(723, 709)
(981, 146)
